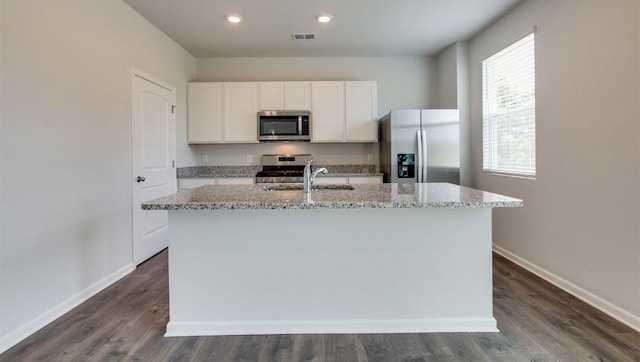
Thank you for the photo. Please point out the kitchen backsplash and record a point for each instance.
(250, 154)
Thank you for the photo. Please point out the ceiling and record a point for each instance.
(358, 28)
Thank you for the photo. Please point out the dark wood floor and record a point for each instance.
(538, 322)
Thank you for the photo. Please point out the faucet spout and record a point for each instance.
(308, 177)
(320, 170)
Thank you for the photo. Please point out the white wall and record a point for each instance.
(66, 150)
(403, 82)
(453, 92)
(447, 94)
(579, 227)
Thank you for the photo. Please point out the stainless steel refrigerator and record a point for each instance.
(420, 145)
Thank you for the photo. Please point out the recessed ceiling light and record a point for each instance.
(234, 18)
(324, 18)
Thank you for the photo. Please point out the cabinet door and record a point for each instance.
(236, 180)
(272, 96)
(204, 112)
(361, 121)
(297, 96)
(241, 112)
(365, 179)
(331, 180)
(192, 183)
(327, 102)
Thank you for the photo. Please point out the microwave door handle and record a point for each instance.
(300, 125)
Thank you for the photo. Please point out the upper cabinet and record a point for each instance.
(222, 112)
(361, 112)
(285, 96)
(227, 112)
(345, 111)
(297, 96)
(271, 96)
(204, 112)
(327, 112)
(241, 112)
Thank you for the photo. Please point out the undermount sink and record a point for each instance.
(292, 187)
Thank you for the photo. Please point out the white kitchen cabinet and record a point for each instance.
(365, 179)
(327, 107)
(361, 107)
(222, 112)
(236, 180)
(285, 95)
(342, 180)
(191, 183)
(344, 111)
(271, 96)
(297, 96)
(204, 111)
(240, 112)
(331, 180)
(227, 112)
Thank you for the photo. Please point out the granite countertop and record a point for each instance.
(428, 195)
(349, 174)
(217, 171)
(250, 171)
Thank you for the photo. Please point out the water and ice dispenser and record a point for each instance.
(406, 165)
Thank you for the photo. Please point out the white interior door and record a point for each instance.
(153, 153)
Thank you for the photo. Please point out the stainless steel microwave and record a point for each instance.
(284, 126)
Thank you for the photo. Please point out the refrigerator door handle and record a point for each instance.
(419, 155)
(423, 156)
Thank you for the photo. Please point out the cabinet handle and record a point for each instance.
(140, 179)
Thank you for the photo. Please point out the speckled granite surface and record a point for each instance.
(348, 170)
(250, 171)
(428, 195)
(217, 171)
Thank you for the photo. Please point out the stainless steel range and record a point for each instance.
(282, 168)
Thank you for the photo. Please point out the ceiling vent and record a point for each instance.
(304, 36)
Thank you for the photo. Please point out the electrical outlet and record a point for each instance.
(205, 158)
(370, 157)
(249, 159)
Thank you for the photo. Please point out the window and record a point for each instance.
(509, 110)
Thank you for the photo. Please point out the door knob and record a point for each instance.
(140, 179)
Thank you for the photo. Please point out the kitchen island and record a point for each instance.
(386, 258)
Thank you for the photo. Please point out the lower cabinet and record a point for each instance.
(365, 179)
(236, 181)
(331, 180)
(340, 180)
(191, 183)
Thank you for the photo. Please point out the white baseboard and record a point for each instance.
(440, 325)
(15, 336)
(595, 301)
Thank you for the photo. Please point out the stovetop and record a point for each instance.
(282, 168)
(280, 173)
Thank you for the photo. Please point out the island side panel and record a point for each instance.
(330, 271)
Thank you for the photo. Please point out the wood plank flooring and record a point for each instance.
(538, 322)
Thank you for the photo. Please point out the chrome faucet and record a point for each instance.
(308, 177)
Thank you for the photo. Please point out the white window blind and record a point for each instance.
(509, 110)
